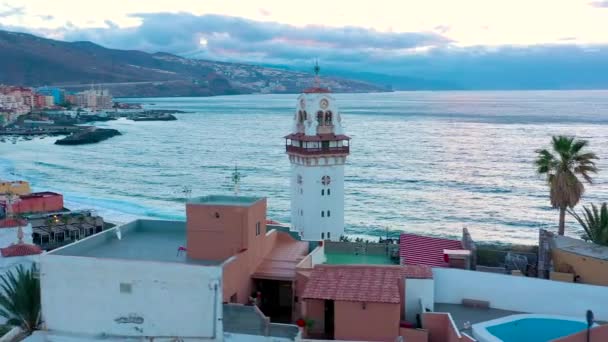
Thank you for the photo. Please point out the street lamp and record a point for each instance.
(589, 323)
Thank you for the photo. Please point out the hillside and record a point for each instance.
(34, 61)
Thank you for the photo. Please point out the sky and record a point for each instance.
(417, 38)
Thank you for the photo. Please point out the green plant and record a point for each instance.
(594, 222)
(562, 166)
(20, 298)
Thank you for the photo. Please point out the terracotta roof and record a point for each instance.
(316, 90)
(280, 263)
(12, 223)
(361, 283)
(21, 249)
(425, 250)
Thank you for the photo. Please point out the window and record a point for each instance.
(125, 288)
(322, 236)
(257, 229)
(328, 118)
(322, 214)
(322, 192)
(328, 235)
(328, 192)
(301, 212)
(328, 213)
(325, 180)
(301, 191)
(320, 117)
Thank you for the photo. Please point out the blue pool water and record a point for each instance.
(535, 329)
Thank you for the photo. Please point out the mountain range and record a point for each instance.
(30, 60)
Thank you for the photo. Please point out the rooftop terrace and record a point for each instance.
(226, 200)
(580, 247)
(144, 240)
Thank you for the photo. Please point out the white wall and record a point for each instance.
(418, 291)
(318, 255)
(229, 337)
(8, 236)
(530, 295)
(310, 201)
(83, 296)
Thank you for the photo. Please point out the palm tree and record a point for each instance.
(562, 170)
(594, 222)
(20, 298)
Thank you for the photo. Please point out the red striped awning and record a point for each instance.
(425, 250)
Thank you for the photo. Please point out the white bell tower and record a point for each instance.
(317, 149)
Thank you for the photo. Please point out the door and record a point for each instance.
(329, 319)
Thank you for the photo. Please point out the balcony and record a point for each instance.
(317, 151)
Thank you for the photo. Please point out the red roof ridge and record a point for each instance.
(20, 249)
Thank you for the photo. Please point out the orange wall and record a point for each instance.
(441, 329)
(414, 335)
(217, 238)
(598, 334)
(314, 309)
(377, 322)
(591, 270)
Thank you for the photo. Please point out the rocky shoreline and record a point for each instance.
(89, 135)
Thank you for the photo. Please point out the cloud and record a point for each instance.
(181, 33)
(46, 17)
(599, 3)
(11, 11)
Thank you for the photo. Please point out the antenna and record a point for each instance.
(317, 69)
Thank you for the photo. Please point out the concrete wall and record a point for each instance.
(94, 296)
(414, 335)
(590, 270)
(522, 294)
(217, 232)
(318, 255)
(314, 309)
(417, 292)
(441, 328)
(374, 322)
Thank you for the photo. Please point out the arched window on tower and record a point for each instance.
(304, 116)
(300, 116)
(328, 118)
(320, 117)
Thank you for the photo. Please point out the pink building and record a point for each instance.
(37, 202)
(258, 263)
(358, 302)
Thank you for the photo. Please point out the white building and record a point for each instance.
(136, 283)
(317, 149)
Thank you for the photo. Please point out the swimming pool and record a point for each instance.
(527, 327)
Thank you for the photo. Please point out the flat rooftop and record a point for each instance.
(242, 201)
(462, 314)
(142, 240)
(580, 247)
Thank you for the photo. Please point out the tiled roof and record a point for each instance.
(280, 263)
(425, 250)
(20, 249)
(361, 283)
(12, 223)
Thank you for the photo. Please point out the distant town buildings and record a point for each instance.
(16, 100)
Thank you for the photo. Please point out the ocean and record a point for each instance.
(422, 162)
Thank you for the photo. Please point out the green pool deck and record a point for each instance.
(242, 201)
(357, 259)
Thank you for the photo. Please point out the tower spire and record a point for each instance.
(317, 69)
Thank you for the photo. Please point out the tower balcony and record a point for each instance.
(317, 150)
(319, 144)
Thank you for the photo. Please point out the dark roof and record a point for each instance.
(318, 137)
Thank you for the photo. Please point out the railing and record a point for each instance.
(313, 151)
